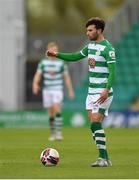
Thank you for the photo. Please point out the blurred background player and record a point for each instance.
(54, 72)
(101, 60)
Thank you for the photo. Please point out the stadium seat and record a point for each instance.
(127, 78)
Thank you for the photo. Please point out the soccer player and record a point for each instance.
(101, 61)
(54, 71)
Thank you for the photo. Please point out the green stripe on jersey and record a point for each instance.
(101, 64)
(55, 84)
(101, 85)
(98, 74)
(52, 79)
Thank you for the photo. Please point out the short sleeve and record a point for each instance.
(64, 68)
(84, 51)
(40, 67)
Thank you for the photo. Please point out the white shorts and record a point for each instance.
(51, 97)
(98, 108)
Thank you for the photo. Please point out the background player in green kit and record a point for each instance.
(54, 72)
(101, 60)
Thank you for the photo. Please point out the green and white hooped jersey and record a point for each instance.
(52, 71)
(101, 53)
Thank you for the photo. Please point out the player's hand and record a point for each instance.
(51, 53)
(103, 96)
(35, 88)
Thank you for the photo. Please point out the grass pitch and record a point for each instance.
(20, 151)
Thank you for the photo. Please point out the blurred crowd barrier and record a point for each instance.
(72, 118)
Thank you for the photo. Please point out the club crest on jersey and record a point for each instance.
(92, 62)
(98, 53)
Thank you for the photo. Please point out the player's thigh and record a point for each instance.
(57, 99)
(97, 112)
(106, 105)
(47, 99)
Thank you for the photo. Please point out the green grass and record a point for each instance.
(20, 150)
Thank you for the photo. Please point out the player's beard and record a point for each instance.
(94, 37)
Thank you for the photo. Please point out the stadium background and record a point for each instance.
(26, 26)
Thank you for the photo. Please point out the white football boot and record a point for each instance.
(109, 162)
(101, 163)
(59, 136)
(52, 137)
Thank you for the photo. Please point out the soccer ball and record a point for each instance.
(49, 157)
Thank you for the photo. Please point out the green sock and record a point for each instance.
(93, 134)
(100, 139)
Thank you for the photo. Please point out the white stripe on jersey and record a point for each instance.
(97, 58)
(46, 75)
(51, 62)
(98, 47)
(54, 88)
(97, 90)
(98, 69)
(98, 80)
(53, 82)
(55, 68)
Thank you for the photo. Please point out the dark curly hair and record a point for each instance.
(98, 22)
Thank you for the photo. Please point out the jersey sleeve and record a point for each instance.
(112, 74)
(84, 51)
(64, 68)
(111, 59)
(40, 67)
(73, 56)
(110, 55)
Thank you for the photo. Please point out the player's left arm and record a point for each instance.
(111, 61)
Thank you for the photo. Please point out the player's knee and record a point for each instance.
(96, 117)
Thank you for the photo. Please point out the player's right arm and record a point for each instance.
(37, 78)
(70, 56)
(35, 84)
